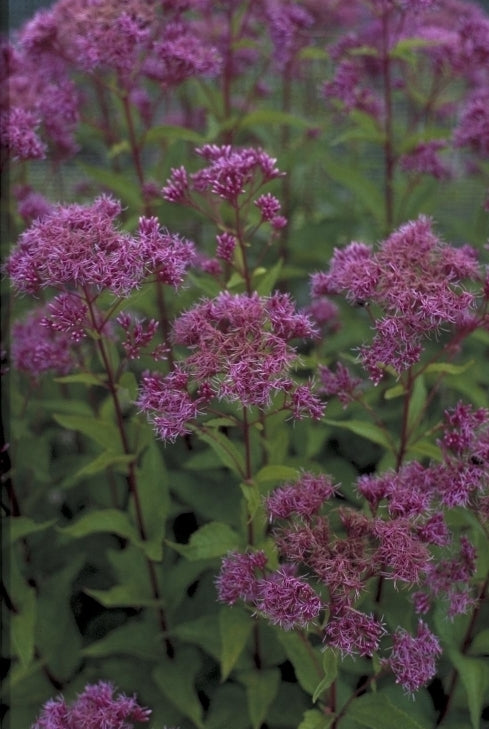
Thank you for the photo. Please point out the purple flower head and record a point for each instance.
(354, 632)
(79, 246)
(352, 270)
(418, 283)
(31, 204)
(450, 578)
(324, 313)
(139, 334)
(413, 658)
(424, 160)
(401, 554)
(465, 447)
(180, 55)
(287, 601)
(68, 314)
(19, 134)
(95, 708)
(167, 403)
(351, 90)
(288, 23)
(240, 345)
(238, 579)
(226, 243)
(164, 254)
(231, 172)
(37, 349)
(304, 497)
(340, 383)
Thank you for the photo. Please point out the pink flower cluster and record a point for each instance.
(416, 281)
(94, 708)
(79, 246)
(283, 598)
(37, 348)
(240, 351)
(231, 172)
(393, 543)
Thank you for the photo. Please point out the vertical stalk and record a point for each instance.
(388, 125)
(131, 475)
(465, 645)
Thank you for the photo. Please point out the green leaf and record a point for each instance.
(235, 626)
(252, 497)
(173, 133)
(261, 690)
(361, 187)
(118, 182)
(19, 527)
(23, 621)
(203, 631)
(133, 586)
(211, 540)
(103, 520)
(474, 674)
(305, 659)
(154, 497)
(276, 473)
(330, 668)
(101, 463)
(84, 378)
(448, 368)
(364, 429)
(404, 49)
(22, 626)
(227, 452)
(376, 711)
(135, 638)
(417, 401)
(424, 447)
(480, 644)
(176, 677)
(395, 391)
(313, 719)
(266, 281)
(103, 432)
(228, 708)
(57, 635)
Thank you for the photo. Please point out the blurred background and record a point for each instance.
(15, 12)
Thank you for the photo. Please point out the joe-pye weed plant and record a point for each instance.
(247, 442)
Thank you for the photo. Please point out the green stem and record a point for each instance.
(465, 645)
(131, 475)
(389, 159)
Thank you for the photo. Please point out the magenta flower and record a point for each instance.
(304, 497)
(95, 708)
(231, 172)
(79, 246)
(287, 601)
(417, 282)
(413, 658)
(19, 134)
(340, 383)
(31, 204)
(425, 160)
(167, 403)
(139, 334)
(402, 556)
(239, 345)
(354, 632)
(37, 348)
(238, 578)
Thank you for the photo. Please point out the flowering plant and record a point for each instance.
(247, 436)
